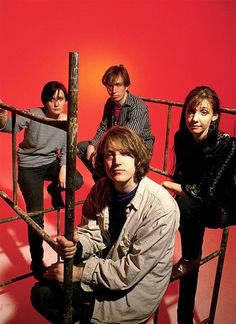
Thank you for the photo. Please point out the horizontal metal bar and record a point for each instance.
(39, 212)
(151, 168)
(179, 104)
(62, 124)
(30, 221)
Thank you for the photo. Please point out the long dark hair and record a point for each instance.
(184, 141)
(194, 98)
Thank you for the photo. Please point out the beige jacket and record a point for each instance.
(135, 274)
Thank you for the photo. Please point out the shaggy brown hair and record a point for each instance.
(127, 141)
(113, 73)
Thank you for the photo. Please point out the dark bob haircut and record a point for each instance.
(49, 90)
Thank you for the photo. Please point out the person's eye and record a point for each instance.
(190, 112)
(108, 155)
(125, 153)
(204, 112)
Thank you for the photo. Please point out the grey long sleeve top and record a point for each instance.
(41, 144)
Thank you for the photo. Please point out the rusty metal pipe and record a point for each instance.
(70, 178)
(29, 221)
(62, 124)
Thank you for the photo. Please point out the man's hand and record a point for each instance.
(66, 248)
(56, 272)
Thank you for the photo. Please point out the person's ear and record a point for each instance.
(215, 117)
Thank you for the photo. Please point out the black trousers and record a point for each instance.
(48, 299)
(81, 153)
(31, 182)
(187, 293)
(193, 217)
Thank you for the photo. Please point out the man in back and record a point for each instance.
(121, 108)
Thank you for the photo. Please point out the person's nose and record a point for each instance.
(117, 159)
(196, 116)
(114, 88)
(56, 102)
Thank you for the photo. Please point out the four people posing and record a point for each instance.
(126, 237)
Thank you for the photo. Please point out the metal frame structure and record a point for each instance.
(220, 253)
(71, 128)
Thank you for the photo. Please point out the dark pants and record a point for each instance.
(193, 217)
(187, 293)
(31, 182)
(81, 153)
(48, 299)
(192, 226)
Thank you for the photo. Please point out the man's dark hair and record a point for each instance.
(113, 73)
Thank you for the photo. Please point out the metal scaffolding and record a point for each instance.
(70, 126)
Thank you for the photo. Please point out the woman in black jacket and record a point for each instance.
(204, 184)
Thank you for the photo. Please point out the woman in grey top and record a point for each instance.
(41, 156)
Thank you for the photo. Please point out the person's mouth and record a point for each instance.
(117, 171)
(194, 126)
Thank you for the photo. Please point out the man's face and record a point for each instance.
(120, 167)
(117, 90)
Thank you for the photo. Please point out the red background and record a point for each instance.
(168, 47)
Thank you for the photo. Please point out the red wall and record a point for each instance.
(169, 47)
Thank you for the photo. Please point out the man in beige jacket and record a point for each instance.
(126, 240)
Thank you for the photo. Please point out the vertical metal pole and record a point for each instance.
(219, 270)
(14, 159)
(70, 177)
(167, 137)
(58, 230)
